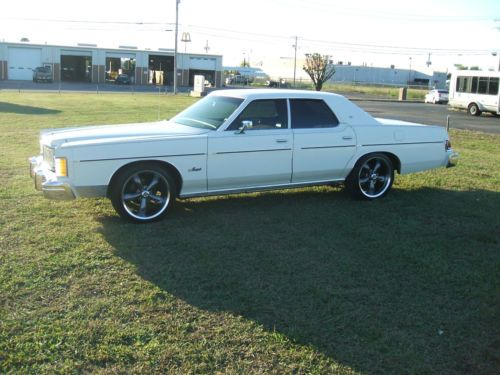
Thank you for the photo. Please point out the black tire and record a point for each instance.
(473, 110)
(143, 193)
(371, 178)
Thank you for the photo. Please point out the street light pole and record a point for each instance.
(175, 44)
(497, 54)
(409, 75)
(295, 61)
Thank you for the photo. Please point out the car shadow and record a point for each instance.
(372, 285)
(25, 109)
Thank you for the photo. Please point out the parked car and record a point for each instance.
(42, 74)
(237, 80)
(436, 96)
(234, 141)
(123, 79)
(281, 84)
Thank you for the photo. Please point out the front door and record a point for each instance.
(254, 151)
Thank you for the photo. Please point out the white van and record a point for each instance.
(476, 91)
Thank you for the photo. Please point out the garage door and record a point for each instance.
(22, 61)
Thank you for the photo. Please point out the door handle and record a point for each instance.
(281, 140)
(347, 137)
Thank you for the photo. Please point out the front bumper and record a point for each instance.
(46, 181)
(452, 158)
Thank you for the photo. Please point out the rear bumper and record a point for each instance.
(452, 158)
(46, 181)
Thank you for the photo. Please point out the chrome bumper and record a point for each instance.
(46, 181)
(452, 158)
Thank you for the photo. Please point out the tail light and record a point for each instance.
(447, 145)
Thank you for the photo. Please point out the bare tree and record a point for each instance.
(319, 68)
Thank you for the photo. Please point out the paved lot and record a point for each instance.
(406, 111)
(433, 114)
(84, 87)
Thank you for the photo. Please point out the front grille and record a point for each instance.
(48, 157)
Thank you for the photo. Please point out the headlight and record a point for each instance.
(61, 165)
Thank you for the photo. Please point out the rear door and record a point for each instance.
(322, 146)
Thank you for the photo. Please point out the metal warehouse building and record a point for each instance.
(388, 76)
(89, 63)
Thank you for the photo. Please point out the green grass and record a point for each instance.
(375, 91)
(378, 92)
(304, 281)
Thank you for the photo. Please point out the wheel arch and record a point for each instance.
(167, 166)
(478, 105)
(396, 162)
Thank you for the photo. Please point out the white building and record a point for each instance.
(283, 68)
(387, 76)
(89, 63)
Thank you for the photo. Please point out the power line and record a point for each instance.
(326, 5)
(270, 40)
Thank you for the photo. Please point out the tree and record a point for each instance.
(319, 68)
(245, 63)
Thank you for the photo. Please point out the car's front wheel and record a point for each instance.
(143, 193)
(371, 177)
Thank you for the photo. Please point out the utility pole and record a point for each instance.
(429, 62)
(295, 61)
(175, 44)
(409, 74)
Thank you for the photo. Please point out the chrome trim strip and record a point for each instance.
(261, 188)
(401, 144)
(141, 157)
(252, 151)
(320, 147)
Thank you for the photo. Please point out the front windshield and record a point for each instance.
(208, 113)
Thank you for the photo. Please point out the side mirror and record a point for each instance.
(247, 124)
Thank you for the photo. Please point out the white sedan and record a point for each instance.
(236, 141)
(436, 96)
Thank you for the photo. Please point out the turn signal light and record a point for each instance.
(61, 165)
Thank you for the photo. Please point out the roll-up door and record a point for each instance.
(22, 61)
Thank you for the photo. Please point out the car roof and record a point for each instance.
(273, 93)
(346, 111)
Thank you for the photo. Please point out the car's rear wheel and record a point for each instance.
(473, 109)
(143, 193)
(371, 177)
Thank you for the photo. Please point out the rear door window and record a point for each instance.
(311, 113)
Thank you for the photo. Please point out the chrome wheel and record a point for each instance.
(372, 177)
(143, 193)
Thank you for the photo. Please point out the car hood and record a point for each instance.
(117, 133)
